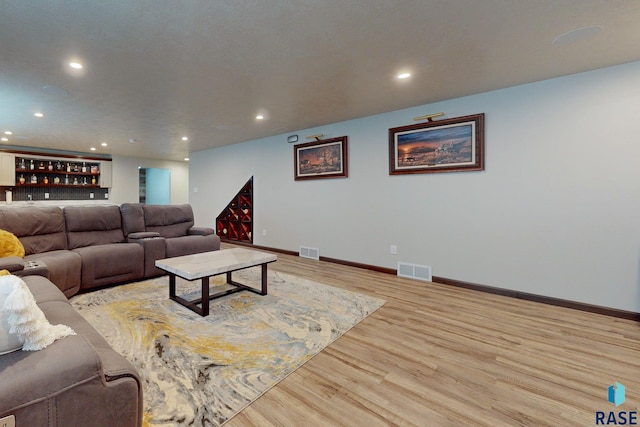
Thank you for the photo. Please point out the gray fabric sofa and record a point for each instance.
(76, 381)
(80, 380)
(165, 232)
(43, 234)
(85, 247)
(95, 233)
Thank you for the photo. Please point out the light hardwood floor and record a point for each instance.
(437, 355)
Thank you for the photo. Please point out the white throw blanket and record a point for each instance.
(25, 318)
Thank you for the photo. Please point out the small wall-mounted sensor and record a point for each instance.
(292, 138)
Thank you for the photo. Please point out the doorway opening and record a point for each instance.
(154, 186)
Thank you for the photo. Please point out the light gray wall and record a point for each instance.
(126, 178)
(555, 212)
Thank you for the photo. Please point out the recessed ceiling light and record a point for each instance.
(8, 132)
(132, 140)
(92, 148)
(4, 139)
(184, 138)
(38, 115)
(76, 65)
(104, 144)
(402, 76)
(259, 117)
(186, 159)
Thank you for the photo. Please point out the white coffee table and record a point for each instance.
(207, 264)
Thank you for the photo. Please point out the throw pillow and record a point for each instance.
(27, 320)
(10, 245)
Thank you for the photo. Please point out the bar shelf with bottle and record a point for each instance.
(34, 172)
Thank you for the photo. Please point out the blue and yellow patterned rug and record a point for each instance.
(204, 370)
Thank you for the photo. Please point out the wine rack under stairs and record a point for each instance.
(235, 222)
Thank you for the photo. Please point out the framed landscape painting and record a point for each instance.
(321, 159)
(448, 145)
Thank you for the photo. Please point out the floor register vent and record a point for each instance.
(311, 253)
(414, 271)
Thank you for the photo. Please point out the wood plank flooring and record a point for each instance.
(437, 355)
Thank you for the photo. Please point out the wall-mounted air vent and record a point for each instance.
(414, 271)
(312, 253)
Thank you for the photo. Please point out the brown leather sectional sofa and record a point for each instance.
(80, 380)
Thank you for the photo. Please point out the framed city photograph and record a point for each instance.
(448, 145)
(321, 159)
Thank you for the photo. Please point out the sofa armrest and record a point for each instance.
(34, 268)
(142, 235)
(155, 247)
(12, 263)
(200, 231)
(28, 377)
(85, 386)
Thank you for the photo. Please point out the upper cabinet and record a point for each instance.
(7, 169)
(105, 174)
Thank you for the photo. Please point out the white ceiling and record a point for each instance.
(157, 70)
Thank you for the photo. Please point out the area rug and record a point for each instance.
(204, 370)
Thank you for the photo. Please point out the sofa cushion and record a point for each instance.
(93, 225)
(108, 264)
(168, 220)
(42, 290)
(40, 229)
(132, 218)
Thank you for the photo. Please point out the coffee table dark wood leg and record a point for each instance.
(205, 296)
(172, 285)
(264, 279)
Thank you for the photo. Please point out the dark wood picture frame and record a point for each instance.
(448, 145)
(321, 159)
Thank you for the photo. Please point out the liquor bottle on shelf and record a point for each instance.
(66, 179)
(50, 167)
(75, 180)
(22, 164)
(45, 180)
(21, 180)
(32, 166)
(56, 179)
(84, 167)
(41, 166)
(93, 180)
(34, 179)
(59, 166)
(68, 167)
